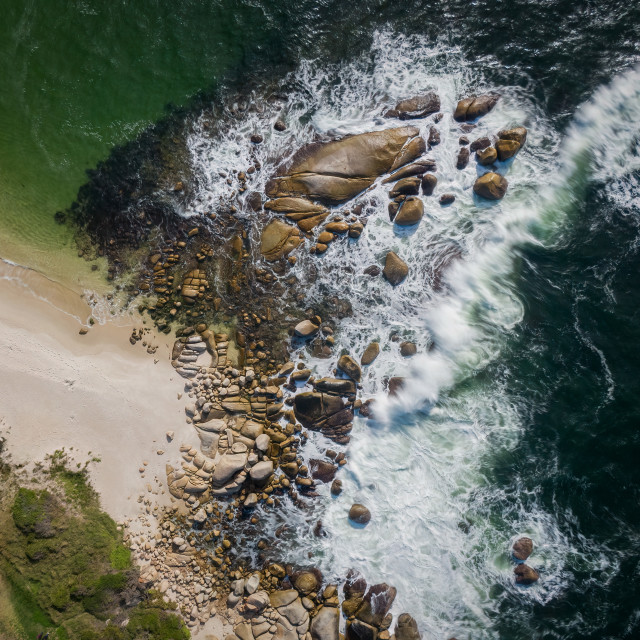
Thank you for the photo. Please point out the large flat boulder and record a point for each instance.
(335, 172)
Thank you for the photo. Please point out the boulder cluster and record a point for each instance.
(252, 409)
(322, 175)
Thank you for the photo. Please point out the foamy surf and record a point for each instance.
(419, 467)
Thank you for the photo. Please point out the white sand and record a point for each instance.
(96, 393)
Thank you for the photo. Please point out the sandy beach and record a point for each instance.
(96, 395)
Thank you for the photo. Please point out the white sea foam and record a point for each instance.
(419, 466)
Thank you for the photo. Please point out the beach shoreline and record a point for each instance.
(94, 394)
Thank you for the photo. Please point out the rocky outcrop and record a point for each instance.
(491, 186)
(335, 172)
(325, 409)
(416, 107)
(303, 212)
(474, 107)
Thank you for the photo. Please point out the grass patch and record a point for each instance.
(66, 569)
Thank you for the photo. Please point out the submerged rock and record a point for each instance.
(335, 172)
(491, 186)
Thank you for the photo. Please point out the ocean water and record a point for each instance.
(520, 412)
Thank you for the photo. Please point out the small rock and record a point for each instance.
(256, 138)
(408, 349)
(372, 270)
(359, 513)
(447, 198)
(522, 548)
(336, 487)
(279, 125)
(395, 269)
(370, 353)
(434, 137)
(356, 229)
(429, 182)
(486, 156)
(306, 329)
(491, 186)
(525, 574)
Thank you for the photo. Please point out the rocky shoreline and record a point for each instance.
(236, 312)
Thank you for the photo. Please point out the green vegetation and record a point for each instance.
(65, 569)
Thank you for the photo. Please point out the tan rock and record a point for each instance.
(486, 156)
(415, 107)
(349, 366)
(278, 240)
(326, 237)
(410, 212)
(474, 107)
(491, 186)
(370, 353)
(337, 171)
(294, 205)
(395, 269)
(506, 149)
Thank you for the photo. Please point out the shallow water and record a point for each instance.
(522, 419)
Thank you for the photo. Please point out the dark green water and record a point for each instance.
(83, 77)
